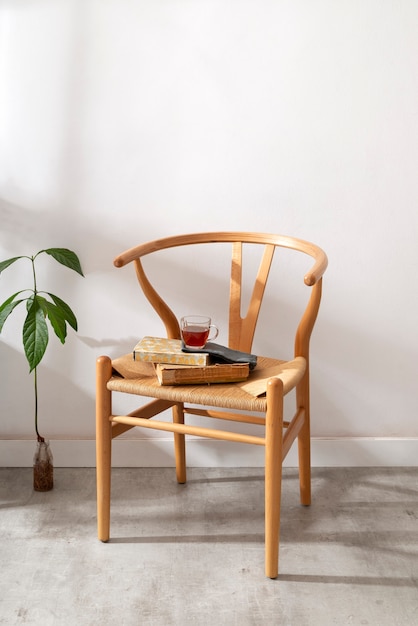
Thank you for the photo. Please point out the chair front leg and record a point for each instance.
(103, 445)
(273, 474)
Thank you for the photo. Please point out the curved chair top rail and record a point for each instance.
(310, 279)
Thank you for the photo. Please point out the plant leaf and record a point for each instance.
(57, 320)
(4, 264)
(65, 310)
(40, 300)
(35, 334)
(65, 257)
(7, 307)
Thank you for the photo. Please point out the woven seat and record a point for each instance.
(261, 396)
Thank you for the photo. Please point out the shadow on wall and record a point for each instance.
(24, 231)
(346, 362)
(59, 399)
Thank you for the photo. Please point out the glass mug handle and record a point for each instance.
(213, 329)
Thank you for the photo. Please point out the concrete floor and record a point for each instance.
(194, 554)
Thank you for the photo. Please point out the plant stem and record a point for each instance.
(32, 258)
(35, 372)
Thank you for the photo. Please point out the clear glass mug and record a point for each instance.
(197, 330)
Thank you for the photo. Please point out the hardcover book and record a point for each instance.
(162, 350)
(195, 375)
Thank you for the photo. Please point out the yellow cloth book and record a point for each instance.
(162, 350)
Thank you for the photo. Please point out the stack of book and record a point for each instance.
(175, 367)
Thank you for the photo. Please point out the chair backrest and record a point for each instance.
(240, 328)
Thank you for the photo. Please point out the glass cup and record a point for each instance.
(196, 330)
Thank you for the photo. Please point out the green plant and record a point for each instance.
(39, 309)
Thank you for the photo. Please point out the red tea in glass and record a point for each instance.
(195, 336)
(195, 331)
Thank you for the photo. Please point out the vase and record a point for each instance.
(43, 468)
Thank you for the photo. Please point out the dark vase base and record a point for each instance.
(43, 468)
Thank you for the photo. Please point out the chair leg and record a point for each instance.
(273, 475)
(304, 443)
(103, 445)
(179, 445)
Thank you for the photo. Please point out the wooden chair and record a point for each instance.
(222, 401)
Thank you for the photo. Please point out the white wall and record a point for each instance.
(127, 120)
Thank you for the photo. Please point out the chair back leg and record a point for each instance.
(304, 442)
